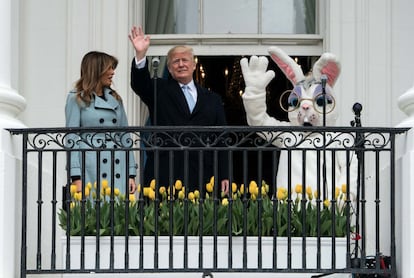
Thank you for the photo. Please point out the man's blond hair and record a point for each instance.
(180, 49)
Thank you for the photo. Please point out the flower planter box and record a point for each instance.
(208, 252)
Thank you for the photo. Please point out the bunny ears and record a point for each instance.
(327, 64)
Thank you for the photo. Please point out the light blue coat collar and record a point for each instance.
(110, 102)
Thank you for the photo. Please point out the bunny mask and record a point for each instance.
(306, 101)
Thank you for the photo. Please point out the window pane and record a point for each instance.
(171, 17)
(230, 16)
(288, 17)
(187, 17)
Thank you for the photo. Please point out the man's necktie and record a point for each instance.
(188, 97)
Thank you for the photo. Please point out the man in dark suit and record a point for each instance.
(173, 107)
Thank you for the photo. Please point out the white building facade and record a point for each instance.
(43, 41)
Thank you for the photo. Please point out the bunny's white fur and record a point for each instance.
(306, 88)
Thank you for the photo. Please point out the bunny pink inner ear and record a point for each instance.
(286, 69)
(331, 70)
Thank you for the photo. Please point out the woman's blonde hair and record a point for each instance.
(94, 64)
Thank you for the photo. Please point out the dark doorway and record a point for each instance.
(222, 74)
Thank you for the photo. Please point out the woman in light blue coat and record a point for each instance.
(93, 103)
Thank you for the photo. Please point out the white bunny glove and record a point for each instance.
(256, 79)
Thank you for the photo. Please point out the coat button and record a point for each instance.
(104, 175)
(114, 121)
(118, 176)
(105, 160)
(117, 161)
(101, 120)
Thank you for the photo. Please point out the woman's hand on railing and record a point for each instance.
(225, 186)
(132, 186)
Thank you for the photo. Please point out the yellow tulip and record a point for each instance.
(326, 203)
(264, 190)
(212, 180)
(298, 188)
(253, 197)
(281, 193)
(255, 191)
(210, 187)
(152, 184)
(336, 192)
(131, 197)
(146, 191)
(266, 186)
(191, 196)
(316, 194)
(343, 188)
(181, 195)
(108, 191)
(309, 190)
(72, 205)
(178, 184)
(252, 186)
(225, 202)
(234, 187)
(78, 196)
(116, 192)
(162, 190)
(241, 189)
(196, 194)
(73, 189)
(139, 188)
(87, 191)
(104, 184)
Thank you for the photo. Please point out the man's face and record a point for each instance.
(182, 66)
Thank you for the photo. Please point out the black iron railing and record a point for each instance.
(181, 222)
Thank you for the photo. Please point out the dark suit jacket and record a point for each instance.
(172, 110)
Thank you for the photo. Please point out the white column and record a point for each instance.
(405, 182)
(11, 104)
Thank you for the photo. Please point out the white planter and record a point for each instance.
(208, 255)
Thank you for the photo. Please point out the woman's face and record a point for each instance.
(106, 78)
